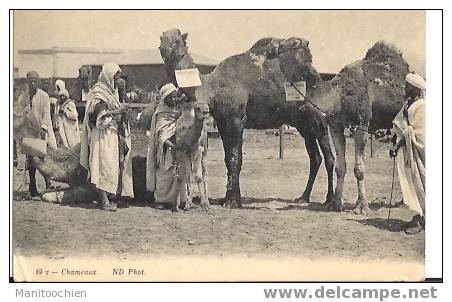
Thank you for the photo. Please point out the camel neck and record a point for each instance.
(183, 62)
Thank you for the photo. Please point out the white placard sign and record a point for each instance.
(292, 94)
(188, 78)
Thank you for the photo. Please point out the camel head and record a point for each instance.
(294, 56)
(173, 45)
(24, 124)
(201, 111)
(85, 76)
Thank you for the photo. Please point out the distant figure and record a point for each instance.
(67, 120)
(81, 89)
(59, 85)
(409, 128)
(38, 102)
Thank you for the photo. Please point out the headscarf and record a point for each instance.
(60, 85)
(104, 89)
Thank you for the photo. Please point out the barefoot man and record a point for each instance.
(409, 127)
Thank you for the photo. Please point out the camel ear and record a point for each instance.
(184, 36)
(272, 50)
(296, 43)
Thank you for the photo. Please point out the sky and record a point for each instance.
(337, 38)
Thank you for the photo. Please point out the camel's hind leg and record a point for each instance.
(360, 138)
(231, 132)
(205, 203)
(315, 160)
(337, 134)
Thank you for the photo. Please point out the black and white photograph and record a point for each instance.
(209, 145)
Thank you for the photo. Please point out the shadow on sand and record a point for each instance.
(391, 225)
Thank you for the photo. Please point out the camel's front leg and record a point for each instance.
(360, 138)
(315, 160)
(337, 134)
(180, 175)
(231, 134)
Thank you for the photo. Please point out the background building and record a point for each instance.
(142, 68)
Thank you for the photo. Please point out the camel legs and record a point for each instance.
(180, 178)
(199, 171)
(360, 138)
(315, 160)
(337, 134)
(231, 132)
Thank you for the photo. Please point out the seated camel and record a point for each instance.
(191, 151)
(63, 165)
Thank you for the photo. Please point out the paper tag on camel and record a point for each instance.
(292, 94)
(188, 78)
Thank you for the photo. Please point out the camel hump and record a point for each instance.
(384, 63)
(261, 46)
(387, 57)
(357, 64)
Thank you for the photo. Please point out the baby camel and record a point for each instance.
(191, 152)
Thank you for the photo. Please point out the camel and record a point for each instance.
(63, 165)
(191, 151)
(247, 90)
(365, 95)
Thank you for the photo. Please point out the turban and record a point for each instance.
(416, 80)
(32, 75)
(166, 90)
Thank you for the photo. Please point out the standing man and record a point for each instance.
(160, 163)
(38, 102)
(409, 149)
(82, 87)
(106, 145)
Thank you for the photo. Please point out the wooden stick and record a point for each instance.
(281, 142)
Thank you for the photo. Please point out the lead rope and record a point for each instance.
(356, 128)
(392, 188)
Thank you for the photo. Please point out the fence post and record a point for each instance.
(281, 142)
(371, 145)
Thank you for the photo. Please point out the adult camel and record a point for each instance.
(247, 91)
(365, 95)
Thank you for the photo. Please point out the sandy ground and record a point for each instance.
(270, 223)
